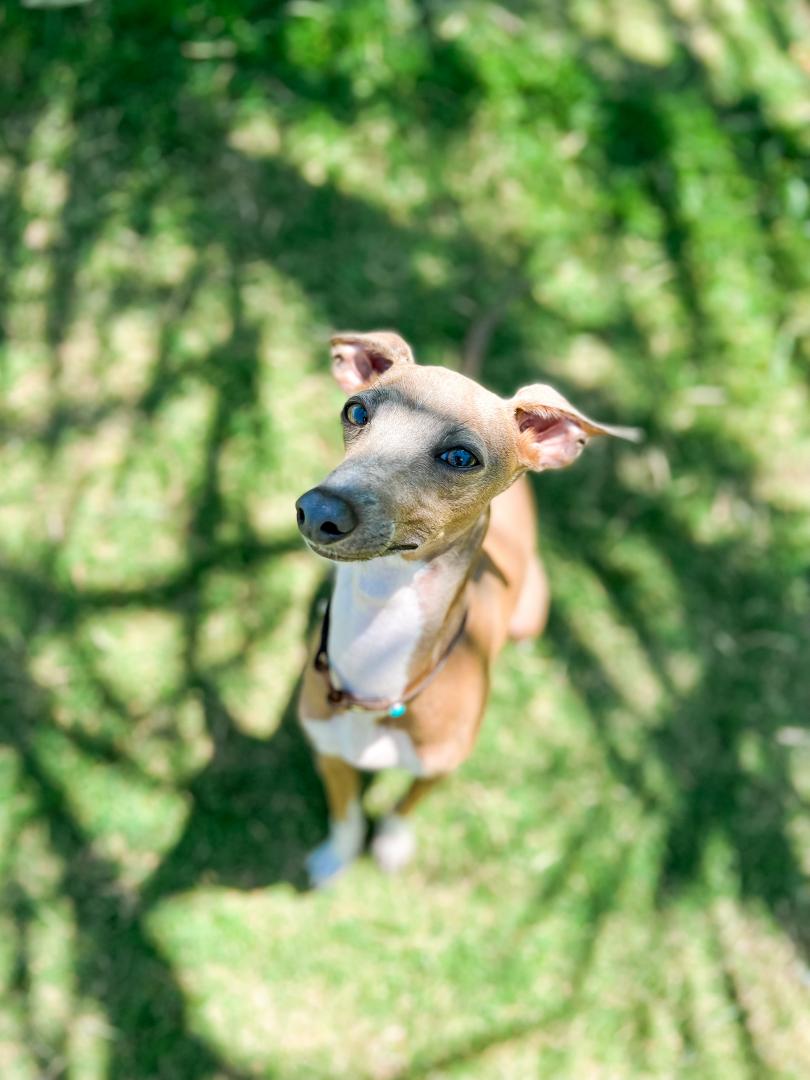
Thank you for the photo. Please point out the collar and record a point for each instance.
(394, 707)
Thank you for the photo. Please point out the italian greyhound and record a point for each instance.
(430, 522)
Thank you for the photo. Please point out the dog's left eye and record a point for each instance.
(459, 458)
(356, 413)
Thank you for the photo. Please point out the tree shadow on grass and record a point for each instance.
(140, 125)
(720, 742)
(255, 809)
(118, 967)
(258, 805)
(713, 762)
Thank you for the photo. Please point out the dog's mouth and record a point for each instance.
(328, 552)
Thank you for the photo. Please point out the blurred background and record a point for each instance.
(613, 197)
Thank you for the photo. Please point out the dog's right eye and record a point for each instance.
(459, 457)
(356, 413)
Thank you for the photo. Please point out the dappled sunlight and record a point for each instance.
(610, 197)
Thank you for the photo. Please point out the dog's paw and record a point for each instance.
(325, 863)
(345, 842)
(394, 844)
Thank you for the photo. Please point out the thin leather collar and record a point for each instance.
(395, 707)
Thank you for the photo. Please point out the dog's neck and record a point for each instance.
(392, 618)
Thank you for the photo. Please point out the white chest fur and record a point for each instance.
(358, 737)
(375, 626)
(380, 611)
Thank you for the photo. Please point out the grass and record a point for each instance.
(610, 197)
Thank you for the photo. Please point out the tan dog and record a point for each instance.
(434, 542)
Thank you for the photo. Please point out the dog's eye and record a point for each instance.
(459, 458)
(356, 413)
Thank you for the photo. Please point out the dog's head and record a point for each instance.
(427, 449)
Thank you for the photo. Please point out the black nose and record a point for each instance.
(324, 517)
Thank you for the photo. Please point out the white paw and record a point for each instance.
(325, 863)
(394, 844)
(341, 849)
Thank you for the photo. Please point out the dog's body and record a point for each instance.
(391, 620)
(432, 526)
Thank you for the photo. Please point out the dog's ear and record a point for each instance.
(358, 359)
(551, 432)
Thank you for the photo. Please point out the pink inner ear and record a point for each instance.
(549, 441)
(355, 365)
(363, 366)
(538, 422)
(378, 363)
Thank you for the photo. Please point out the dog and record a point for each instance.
(430, 522)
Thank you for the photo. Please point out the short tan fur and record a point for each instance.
(436, 565)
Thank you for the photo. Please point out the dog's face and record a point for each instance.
(427, 449)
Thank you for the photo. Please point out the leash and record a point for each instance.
(396, 707)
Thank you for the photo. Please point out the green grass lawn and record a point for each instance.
(611, 197)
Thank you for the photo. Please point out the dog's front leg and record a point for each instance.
(394, 842)
(347, 826)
